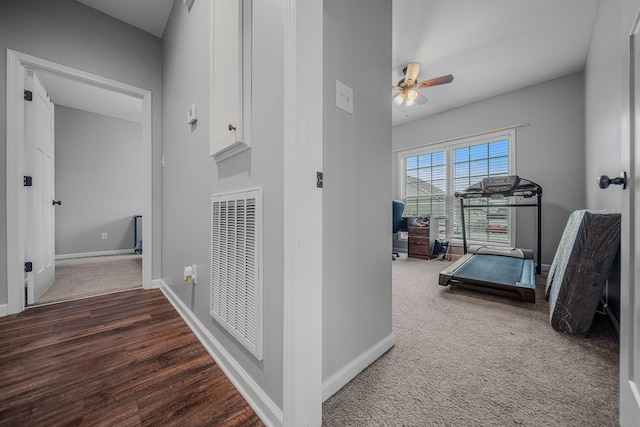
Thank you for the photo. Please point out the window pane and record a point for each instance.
(411, 162)
(461, 154)
(499, 166)
(425, 185)
(439, 173)
(461, 184)
(499, 148)
(480, 151)
(482, 160)
(424, 174)
(439, 187)
(424, 160)
(479, 168)
(438, 158)
(461, 169)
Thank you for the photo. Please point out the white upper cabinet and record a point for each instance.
(230, 78)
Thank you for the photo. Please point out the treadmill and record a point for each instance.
(499, 270)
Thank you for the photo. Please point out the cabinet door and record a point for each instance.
(230, 77)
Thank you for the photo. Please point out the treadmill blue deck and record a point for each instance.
(501, 270)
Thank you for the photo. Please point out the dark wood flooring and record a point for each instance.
(125, 359)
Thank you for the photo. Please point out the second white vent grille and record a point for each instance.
(236, 289)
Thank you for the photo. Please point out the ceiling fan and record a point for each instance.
(408, 85)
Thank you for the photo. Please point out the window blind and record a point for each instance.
(432, 175)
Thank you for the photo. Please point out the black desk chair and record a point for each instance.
(398, 209)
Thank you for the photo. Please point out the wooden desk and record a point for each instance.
(419, 242)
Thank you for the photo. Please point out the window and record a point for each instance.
(431, 175)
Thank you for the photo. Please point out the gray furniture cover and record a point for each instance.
(580, 269)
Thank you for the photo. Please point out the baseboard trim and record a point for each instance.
(156, 284)
(4, 310)
(263, 406)
(348, 372)
(93, 254)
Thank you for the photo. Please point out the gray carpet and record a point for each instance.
(466, 358)
(84, 277)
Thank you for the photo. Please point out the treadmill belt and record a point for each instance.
(491, 269)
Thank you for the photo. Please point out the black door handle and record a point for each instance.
(604, 181)
(57, 202)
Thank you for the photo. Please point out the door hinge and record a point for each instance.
(319, 179)
(28, 95)
(28, 181)
(28, 267)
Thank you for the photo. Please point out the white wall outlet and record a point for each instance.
(190, 274)
(192, 114)
(105, 236)
(344, 97)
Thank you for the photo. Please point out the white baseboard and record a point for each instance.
(348, 372)
(262, 405)
(92, 254)
(3, 310)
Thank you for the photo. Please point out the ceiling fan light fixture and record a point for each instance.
(399, 98)
(408, 85)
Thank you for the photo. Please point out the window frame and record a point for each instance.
(448, 146)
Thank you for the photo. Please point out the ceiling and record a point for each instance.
(148, 15)
(490, 46)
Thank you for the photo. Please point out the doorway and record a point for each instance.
(17, 64)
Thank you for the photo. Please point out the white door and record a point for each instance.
(39, 158)
(630, 250)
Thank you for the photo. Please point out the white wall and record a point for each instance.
(99, 180)
(603, 101)
(191, 176)
(357, 194)
(550, 152)
(72, 34)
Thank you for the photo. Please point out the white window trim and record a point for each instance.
(448, 146)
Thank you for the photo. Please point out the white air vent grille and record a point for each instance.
(236, 254)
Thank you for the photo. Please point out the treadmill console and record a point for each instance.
(501, 186)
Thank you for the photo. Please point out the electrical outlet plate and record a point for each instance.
(344, 97)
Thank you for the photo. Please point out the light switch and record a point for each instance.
(192, 114)
(344, 97)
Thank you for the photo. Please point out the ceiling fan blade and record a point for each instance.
(421, 99)
(412, 70)
(437, 81)
(396, 87)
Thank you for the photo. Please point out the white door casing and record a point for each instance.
(40, 166)
(630, 244)
(17, 62)
(302, 353)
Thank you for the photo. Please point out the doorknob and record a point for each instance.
(57, 202)
(604, 181)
